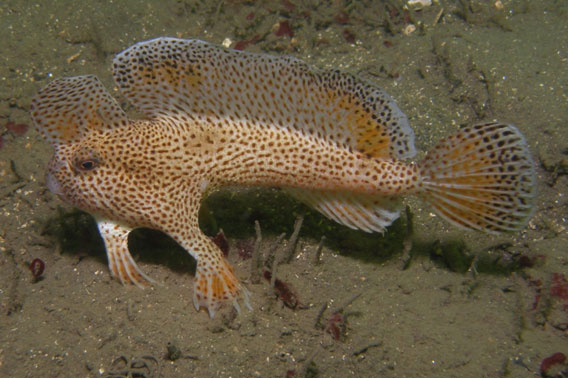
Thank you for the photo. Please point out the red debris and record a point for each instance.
(537, 284)
(388, 43)
(37, 266)
(342, 18)
(393, 12)
(559, 288)
(288, 5)
(396, 17)
(241, 45)
(526, 262)
(336, 326)
(283, 291)
(536, 301)
(284, 29)
(221, 241)
(250, 16)
(16, 128)
(348, 35)
(548, 362)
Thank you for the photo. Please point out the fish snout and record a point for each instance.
(53, 184)
(54, 169)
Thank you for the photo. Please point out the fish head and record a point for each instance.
(101, 164)
(110, 175)
(74, 171)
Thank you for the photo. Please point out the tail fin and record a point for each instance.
(481, 178)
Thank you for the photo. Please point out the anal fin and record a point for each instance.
(370, 213)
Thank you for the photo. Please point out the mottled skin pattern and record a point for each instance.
(326, 137)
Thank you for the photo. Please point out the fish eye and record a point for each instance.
(86, 165)
(85, 160)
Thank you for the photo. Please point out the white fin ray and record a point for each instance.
(497, 222)
(471, 198)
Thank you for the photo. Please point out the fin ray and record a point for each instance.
(448, 212)
(476, 198)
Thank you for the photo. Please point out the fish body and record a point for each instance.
(217, 117)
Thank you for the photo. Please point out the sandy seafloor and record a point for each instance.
(466, 61)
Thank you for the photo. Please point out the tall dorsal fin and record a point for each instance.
(66, 109)
(194, 79)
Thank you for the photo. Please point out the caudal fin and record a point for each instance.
(481, 178)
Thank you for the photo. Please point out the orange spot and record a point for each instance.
(67, 131)
(372, 142)
(176, 76)
(371, 136)
(217, 287)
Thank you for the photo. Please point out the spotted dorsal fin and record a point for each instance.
(66, 109)
(191, 79)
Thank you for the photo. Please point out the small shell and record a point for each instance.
(409, 29)
(418, 4)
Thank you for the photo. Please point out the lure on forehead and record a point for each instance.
(216, 117)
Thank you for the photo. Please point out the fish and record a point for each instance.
(212, 117)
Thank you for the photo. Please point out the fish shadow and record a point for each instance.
(235, 212)
(75, 232)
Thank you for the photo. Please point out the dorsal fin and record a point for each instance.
(66, 109)
(194, 79)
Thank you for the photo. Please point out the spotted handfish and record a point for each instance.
(215, 117)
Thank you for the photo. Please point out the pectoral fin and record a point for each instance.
(120, 262)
